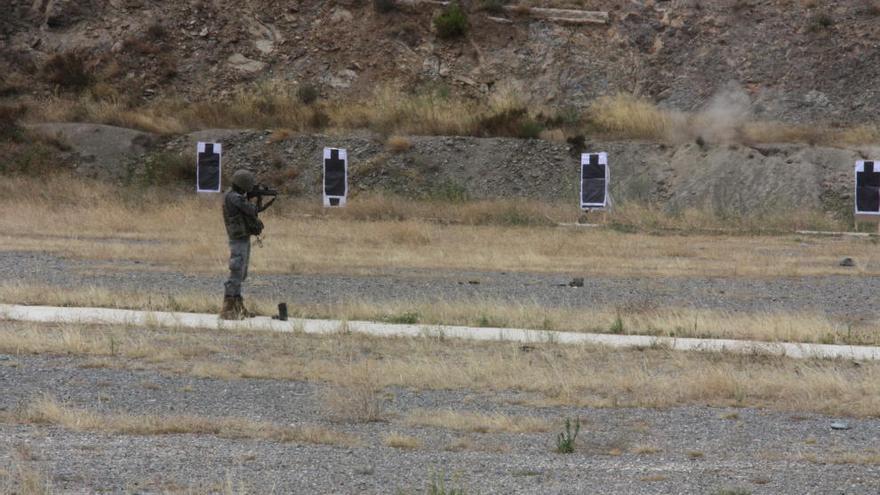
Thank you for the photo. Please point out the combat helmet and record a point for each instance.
(244, 180)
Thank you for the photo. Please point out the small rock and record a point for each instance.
(847, 262)
(474, 282)
(243, 63)
(576, 282)
(840, 425)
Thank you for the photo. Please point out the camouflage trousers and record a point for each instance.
(239, 257)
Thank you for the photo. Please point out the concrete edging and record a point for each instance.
(104, 316)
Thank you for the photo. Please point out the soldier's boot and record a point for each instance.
(241, 309)
(228, 312)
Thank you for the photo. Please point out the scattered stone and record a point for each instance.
(576, 282)
(242, 63)
(847, 262)
(840, 425)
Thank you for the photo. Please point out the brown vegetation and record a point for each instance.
(391, 111)
(546, 374)
(48, 411)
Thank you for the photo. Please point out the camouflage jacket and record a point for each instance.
(240, 216)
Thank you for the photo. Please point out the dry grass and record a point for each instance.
(400, 441)
(357, 396)
(24, 478)
(398, 144)
(477, 422)
(462, 444)
(645, 450)
(546, 374)
(636, 318)
(48, 411)
(69, 218)
(631, 117)
(391, 110)
(627, 116)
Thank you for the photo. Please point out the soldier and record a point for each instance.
(240, 217)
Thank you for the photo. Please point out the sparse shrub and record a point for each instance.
(166, 168)
(449, 191)
(530, 129)
(307, 94)
(68, 70)
(319, 119)
(565, 440)
(33, 156)
(437, 486)
(578, 145)
(820, 21)
(630, 116)
(510, 122)
(356, 397)
(733, 491)
(493, 6)
(617, 325)
(452, 22)
(400, 441)
(398, 144)
(409, 318)
(384, 6)
(9, 122)
(156, 31)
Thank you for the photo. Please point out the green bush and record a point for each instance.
(565, 440)
(453, 22)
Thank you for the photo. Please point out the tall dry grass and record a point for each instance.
(545, 373)
(164, 229)
(389, 110)
(47, 410)
(726, 119)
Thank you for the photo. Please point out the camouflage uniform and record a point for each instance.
(240, 217)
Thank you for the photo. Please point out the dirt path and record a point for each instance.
(846, 297)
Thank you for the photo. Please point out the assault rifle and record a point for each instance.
(261, 191)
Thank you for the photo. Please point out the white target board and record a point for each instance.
(335, 177)
(867, 187)
(595, 177)
(208, 166)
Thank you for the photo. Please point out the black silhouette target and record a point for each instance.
(208, 167)
(594, 180)
(335, 176)
(867, 188)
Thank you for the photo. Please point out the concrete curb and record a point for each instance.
(103, 316)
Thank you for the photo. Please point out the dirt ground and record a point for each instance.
(691, 449)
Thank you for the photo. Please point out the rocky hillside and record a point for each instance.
(797, 60)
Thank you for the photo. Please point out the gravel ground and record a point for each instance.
(698, 450)
(851, 297)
